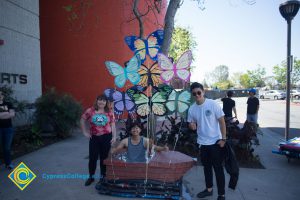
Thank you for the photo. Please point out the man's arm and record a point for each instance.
(7, 115)
(222, 127)
(123, 145)
(234, 111)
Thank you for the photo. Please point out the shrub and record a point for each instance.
(19, 106)
(60, 111)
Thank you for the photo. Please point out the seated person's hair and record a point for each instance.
(136, 124)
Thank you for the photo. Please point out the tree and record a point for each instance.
(173, 6)
(182, 40)
(280, 73)
(245, 81)
(220, 74)
(253, 78)
(257, 77)
(235, 79)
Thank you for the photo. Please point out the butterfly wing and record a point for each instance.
(118, 102)
(109, 93)
(150, 76)
(154, 41)
(142, 102)
(184, 101)
(132, 69)
(157, 100)
(117, 71)
(183, 64)
(167, 68)
(137, 45)
(129, 104)
(171, 103)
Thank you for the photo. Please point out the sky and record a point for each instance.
(240, 36)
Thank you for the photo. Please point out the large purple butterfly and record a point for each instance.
(121, 101)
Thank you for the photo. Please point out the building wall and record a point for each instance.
(76, 40)
(20, 66)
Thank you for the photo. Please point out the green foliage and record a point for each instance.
(175, 133)
(32, 136)
(280, 73)
(257, 77)
(223, 85)
(182, 40)
(60, 111)
(253, 78)
(19, 106)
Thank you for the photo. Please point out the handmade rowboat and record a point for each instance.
(161, 177)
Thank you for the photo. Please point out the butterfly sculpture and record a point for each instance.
(121, 101)
(154, 103)
(149, 46)
(150, 76)
(180, 69)
(121, 74)
(178, 101)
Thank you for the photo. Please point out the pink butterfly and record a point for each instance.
(180, 69)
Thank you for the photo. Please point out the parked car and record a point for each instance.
(295, 94)
(273, 94)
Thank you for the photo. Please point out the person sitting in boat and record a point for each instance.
(137, 145)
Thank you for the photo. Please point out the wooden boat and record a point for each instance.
(160, 178)
(167, 166)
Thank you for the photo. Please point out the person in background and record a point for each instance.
(136, 145)
(207, 117)
(6, 131)
(229, 105)
(102, 134)
(252, 107)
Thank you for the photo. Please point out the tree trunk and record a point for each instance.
(169, 24)
(139, 17)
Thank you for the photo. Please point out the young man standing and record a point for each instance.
(207, 117)
(253, 106)
(229, 105)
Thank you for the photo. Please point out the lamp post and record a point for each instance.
(288, 10)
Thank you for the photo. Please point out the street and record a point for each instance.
(271, 115)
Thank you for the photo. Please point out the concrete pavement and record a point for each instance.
(280, 180)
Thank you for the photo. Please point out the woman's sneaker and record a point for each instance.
(89, 181)
(204, 193)
(221, 197)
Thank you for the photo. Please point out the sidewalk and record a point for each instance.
(280, 180)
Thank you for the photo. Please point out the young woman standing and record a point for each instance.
(102, 134)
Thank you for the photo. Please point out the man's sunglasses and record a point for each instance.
(197, 93)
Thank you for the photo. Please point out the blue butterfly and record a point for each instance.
(130, 71)
(150, 46)
(179, 101)
(121, 101)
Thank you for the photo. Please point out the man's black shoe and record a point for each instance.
(204, 193)
(89, 181)
(220, 197)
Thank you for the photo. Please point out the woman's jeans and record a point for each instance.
(6, 136)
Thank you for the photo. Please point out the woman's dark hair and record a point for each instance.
(102, 97)
(196, 85)
(229, 93)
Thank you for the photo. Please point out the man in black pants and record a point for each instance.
(207, 117)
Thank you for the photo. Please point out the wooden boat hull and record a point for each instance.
(164, 166)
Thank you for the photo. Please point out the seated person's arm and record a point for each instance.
(123, 145)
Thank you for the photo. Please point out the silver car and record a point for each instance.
(273, 94)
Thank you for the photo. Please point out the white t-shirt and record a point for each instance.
(206, 117)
